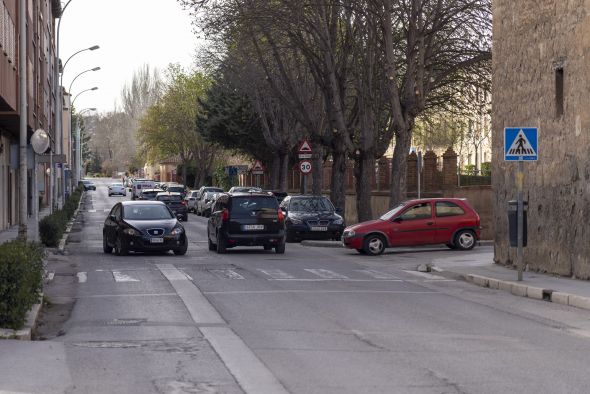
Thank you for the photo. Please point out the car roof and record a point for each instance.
(168, 194)
(141, 202)
(249, 194)
(434, 199)
(152, 190)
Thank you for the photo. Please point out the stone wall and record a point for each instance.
(531, 40)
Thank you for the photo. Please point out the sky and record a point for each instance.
(130, 33)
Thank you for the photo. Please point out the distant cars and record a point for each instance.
(246, 219)
(209, 200)
(449, 221)
(191, 200)
(117, 188)
(176, 188)
(175, 202)
(150, 194)
(142, 226)
(200, 201)
(139, 185)
(88, 185)
(311, 217)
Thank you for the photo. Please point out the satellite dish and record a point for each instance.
(40, 141)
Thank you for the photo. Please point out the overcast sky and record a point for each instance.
(130, 33)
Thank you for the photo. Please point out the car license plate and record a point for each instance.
(319, 229)
(251, 227)
(157, 240)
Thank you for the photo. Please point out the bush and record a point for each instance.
(21, 274)
(52, 227)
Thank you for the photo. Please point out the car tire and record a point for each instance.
(110, 194)
(221, 246)
(374, 244)
(105, 245)
(280, 248)
(182, 250)
(361, 251)
(212, 246)
(451, 246)
(120, 249)
(465, 240)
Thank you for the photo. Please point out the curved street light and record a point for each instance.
(87, 90)
(92, 48)
(83, 72)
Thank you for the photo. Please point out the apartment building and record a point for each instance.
(41, 20)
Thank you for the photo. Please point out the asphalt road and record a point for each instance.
(314, 320)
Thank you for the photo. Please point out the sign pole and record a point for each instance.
(419, 167)
(520, 218)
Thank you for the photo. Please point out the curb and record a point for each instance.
(62, 242)
(533, 292)
(24, 334)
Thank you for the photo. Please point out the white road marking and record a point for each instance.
(107, 210)
(92, 210)
(326, 274)
(226, 274)
(82, 277)
(129, 295)
(251, 374)
(426, 275)
(319, 292)
(336, 279)
(276, 274)
(50, 276)
(378, 274)
(120, 277)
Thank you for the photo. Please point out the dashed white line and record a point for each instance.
(326, 274)
(277, 274)
(120, 277)
(92, 210)
(82, 277)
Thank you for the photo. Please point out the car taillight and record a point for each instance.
(281, 215)
(225, 215)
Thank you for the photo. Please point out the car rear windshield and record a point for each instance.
(248, 204)
(176, 189)
(310, 205)
(146, 212)
(173, 198)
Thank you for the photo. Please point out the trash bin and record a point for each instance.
(513, 222)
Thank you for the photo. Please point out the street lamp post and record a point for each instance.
(78, 156)
(82, 73)
(79, 145)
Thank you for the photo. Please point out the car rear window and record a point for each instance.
(176, 189)
(146, 212)
(447, 208)
(172, 198)
(247, 204)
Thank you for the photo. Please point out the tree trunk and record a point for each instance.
(284, 174)
(275, 169)
(184, 167)
(318, 171)
(399, 167)
(338, 192)
(363, 170)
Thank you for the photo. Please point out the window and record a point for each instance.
(446, 208)
(147, 212)
(419, 211)
(559, 91)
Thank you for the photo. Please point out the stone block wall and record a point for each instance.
(532, 40)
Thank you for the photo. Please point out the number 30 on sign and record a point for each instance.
(305, 167)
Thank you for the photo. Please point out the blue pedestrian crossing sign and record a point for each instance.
(520, 144)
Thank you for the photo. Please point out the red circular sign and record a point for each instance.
(305, 167)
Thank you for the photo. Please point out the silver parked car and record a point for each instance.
(200, 202)
(209, 200)
(191, 200)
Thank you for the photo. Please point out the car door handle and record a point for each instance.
(429, 223)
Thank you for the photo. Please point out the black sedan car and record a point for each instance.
(311, 217)
(143, 226)
(175, 202)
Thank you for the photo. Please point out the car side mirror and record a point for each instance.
(113, 218)
(179, 216)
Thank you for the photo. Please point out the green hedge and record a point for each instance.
(21, 275)
(52, 227)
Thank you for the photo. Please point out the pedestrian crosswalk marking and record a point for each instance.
(226, 274)
(82, 277)
(92, 210)
(326, 274)
(120, 277)
(277, 274)
(378, 274)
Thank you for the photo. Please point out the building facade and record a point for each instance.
(541, 78)
(41, 16)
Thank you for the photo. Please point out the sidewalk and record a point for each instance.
(480, 270)
(32, 227)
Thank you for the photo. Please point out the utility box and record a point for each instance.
(513, 222)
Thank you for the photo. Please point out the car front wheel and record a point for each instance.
(465, 240)
(182, 250)
(105, 245)
(120, 249)
(374, 245)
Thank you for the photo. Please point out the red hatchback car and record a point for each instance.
(450, 221)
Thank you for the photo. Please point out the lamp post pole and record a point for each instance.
(77, 156)
(79, 145)
(22, 71)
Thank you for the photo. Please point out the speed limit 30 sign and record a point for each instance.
(305, 167)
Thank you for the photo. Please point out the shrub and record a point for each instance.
(21, 274)
(52, 227)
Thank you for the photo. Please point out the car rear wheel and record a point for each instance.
(361, 251)
(451, 246)
(465, 240)
(221, 246)
(212, 246)
(280, 248)
(374, 245)
(105, 245)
